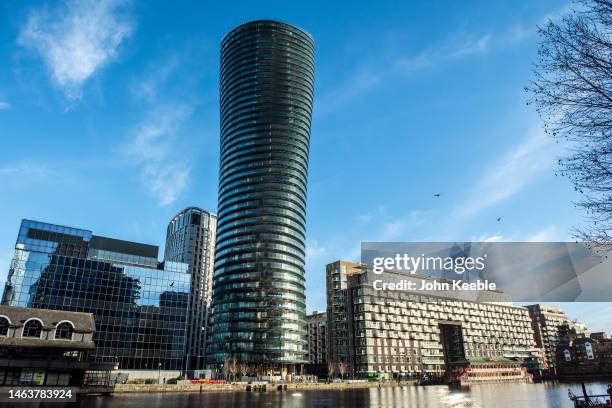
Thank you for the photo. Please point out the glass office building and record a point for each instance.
(190, 238)
(267, 78)
(139, 304)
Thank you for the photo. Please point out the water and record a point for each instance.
(546, 395)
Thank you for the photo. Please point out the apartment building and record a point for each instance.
(547, 324)
(338, 338)
(317, 337)
(384, 333)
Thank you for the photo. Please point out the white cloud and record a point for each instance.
(491, 238)
(76, 39)
(516, 169)
(154, 147)
(4, 105)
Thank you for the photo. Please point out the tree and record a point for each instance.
(230, 367)
(331, 369)
(342, 369)
(572, 92)
(243, 369)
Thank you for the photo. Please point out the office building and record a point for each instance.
(139, 304)
(190, 239)
(259, 305)
(395, 333)
(317, 337)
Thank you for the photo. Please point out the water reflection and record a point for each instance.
(547, 395)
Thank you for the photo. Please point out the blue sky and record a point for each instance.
(109, 121)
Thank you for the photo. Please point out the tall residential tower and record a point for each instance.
(190, 239)
(267, 78)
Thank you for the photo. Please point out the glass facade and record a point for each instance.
(267, 78)
(190, 238)
(139, 305)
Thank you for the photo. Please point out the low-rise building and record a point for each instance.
(584, 357)
(49, 347)
(599, 335)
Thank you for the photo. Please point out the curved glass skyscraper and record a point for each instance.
(190, 239)
(267, 78)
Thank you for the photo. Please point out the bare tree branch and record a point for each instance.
(572, 92)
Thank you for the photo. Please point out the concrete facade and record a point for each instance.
(394, 333)
(317, 337)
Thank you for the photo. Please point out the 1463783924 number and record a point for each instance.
(38, 394)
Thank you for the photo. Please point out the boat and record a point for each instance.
(426, 379)
(594, 401)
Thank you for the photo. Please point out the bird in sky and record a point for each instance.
(437, 195)
(498, 219)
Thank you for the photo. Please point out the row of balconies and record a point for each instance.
(479, 317)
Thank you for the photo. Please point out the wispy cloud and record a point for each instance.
(368, 76)
(551, 233)
(76, 39)
(153, 148)
(514, 170)
(25, 171)
(397, 228)
(314, 251)
(166, 181)
(455, 48)
(505, 177)
(4, 105)
(147, 87)
(157, 144)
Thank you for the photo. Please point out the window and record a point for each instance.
(33, 328)
(4, 326)
(63, 331)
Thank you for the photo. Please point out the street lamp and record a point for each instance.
(159, 372)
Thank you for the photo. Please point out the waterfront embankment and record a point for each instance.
(171, 388)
